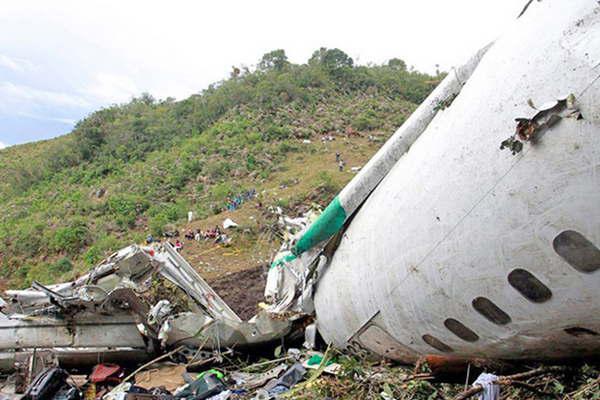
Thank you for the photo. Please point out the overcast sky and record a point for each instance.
(60, 60)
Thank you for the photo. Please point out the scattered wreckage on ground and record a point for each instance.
(138, 302)
(443, 244)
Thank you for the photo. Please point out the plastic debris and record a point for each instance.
(222, 396)
(315, 361)
(310, 336)
(207, 385)
(229, 223)
(491, 390)
(251, 381)
(107, 373)
(46, 384)
(290, 378)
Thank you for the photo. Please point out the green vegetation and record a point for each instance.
(134, 168)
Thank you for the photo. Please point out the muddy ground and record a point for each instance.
(242, 290)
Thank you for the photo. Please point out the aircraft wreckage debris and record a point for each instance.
(145, 303)
(506, 277)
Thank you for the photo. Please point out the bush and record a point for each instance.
(287, 147)
(274, 132)
(71, 238)
(21, 275)
(28, 239)
(127, 205)
(92, 256)
(40, 273)
(157, 225)
(218, 169)
(107, 244)
(220, 191)
(43, 273)
(250, 162)
(326, 181)
(366, 121)
(60, 267)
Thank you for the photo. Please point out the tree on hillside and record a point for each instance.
(397, 63)
(331, 59)
(276, 59)
(145, 98)
(90, 133)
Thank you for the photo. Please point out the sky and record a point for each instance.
(63, 59)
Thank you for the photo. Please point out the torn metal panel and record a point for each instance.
(190, 330)
(91, 330)
(531, 129)
(180, 272)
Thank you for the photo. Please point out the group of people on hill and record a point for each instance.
(178, 245)
(215, 234)
(198, 235)
(233, 203)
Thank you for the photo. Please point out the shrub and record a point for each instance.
(218, 169)
(71, 238)
(92, 256)
(28, 239)
(326, 181)
(127, 205)
(60, 267)
(287, 147)
(157, 225)
(366, 121)
(107, 244)
(274, 132)
(220, 191)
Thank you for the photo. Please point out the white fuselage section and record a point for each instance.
(467, 250)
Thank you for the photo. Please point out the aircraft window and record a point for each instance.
(437, 344)
(578, 331)
(577, 250)
(490, 311)
(460, 330)
(529, 286)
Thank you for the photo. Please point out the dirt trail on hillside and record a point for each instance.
(242, 291)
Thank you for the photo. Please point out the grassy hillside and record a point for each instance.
(136, 168)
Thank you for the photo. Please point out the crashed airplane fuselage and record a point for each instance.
(447, 244)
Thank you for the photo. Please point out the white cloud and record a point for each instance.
(2, 145)
(11, 94)
(111, 88)
(16, 64)
(66, 121)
